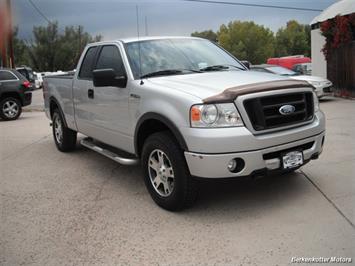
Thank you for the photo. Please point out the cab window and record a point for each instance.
(87, 64)
(110, 57)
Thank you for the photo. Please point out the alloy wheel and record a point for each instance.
(58, 130)
(10, 109)
(161, 173)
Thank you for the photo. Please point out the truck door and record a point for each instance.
(108, 106)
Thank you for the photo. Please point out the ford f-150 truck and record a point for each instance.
(184, 108)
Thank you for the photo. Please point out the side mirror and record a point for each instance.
(107, 77)
(246, 63)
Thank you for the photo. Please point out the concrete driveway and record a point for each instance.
(82, 208)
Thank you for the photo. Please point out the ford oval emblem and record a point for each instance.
(287, 109)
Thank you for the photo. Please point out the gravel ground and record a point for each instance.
(84, 209)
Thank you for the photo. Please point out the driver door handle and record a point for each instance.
(91, 93)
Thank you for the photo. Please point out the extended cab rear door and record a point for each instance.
(82, 83)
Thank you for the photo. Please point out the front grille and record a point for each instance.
(264, 112)
(328, 89)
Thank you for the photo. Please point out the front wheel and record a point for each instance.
(64, 138)
(10, 109)
(166, 174)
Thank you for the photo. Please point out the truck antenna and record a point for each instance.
(139, 48)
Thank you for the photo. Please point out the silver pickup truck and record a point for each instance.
(183, 108)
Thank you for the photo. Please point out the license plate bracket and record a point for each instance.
(292, 159)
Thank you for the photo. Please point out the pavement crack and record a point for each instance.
(23, 148)
(327, 198)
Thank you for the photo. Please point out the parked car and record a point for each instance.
(38, 80)
(28, 74)
(323, 87)
(303, 69)
(14, 93)
(183, 108)
(289, 61)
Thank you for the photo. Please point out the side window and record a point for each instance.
(87, 64)
(110, 57)
(6, 75)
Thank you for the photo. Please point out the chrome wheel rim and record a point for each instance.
(10, 109)
(161, 173)
(58, 130)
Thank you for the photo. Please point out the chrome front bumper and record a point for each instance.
(215, 165)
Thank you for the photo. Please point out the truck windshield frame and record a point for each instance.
(179, 54)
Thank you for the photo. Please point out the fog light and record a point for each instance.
(232, 165)
(236, 165)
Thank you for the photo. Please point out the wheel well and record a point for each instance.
(52, 106)
(11, 94)
(150, 126)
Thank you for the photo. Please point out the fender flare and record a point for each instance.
(53, 99)
(170, 125)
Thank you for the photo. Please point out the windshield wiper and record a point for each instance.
(220, 67)
(167, 72)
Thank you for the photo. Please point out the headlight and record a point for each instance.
(315, 102)
(316, 83)
(215, 115)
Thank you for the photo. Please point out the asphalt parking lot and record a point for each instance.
(82, 208)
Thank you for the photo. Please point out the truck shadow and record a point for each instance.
(224, 197)
(246, 193)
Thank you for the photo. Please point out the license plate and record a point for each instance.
(292, 159)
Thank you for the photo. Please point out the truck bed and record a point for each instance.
(60, 87)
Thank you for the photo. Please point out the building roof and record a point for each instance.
(342, 7)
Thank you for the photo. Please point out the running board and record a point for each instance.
(88, 143)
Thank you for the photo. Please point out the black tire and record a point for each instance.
(184, 191)
(64, 138)
(16, 108)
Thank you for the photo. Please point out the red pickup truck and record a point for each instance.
(288, 61)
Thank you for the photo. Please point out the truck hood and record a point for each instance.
(309, 78)
(204, 85)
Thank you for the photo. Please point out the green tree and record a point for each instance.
(44, 48)
(51, 50)
(21, 56)
(247, 41)
(294, 39)
(207, 34)
(71, 44)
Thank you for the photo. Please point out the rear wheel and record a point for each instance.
(10, 109)
(166, 174)
(64, 138)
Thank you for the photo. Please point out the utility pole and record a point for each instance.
(3, 53)
(10, 38)
(3, 32)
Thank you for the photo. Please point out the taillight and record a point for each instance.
(26, 84)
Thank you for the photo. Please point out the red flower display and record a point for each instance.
(337, 31)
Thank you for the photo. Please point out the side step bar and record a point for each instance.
(88, 143)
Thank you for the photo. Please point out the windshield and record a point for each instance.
(177, 56)
(282, 71)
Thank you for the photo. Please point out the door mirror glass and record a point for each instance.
(107, 77)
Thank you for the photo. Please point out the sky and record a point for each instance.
(114, 19)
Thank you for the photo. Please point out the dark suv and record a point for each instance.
(14, 93)
(27, 72)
